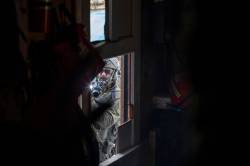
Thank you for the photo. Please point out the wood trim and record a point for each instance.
(112, 49)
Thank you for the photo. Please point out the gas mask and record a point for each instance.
(106, 79)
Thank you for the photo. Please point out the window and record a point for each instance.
(113, 85)
(126, 87)
(110, 19)
(97, 20)
(117, 31)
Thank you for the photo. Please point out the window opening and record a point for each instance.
(97, 20)
(112, 85)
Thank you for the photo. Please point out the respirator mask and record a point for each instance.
(102, 82)
(106, 79)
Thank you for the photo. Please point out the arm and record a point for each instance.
(109, 117)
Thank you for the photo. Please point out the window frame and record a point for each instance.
(124, 45)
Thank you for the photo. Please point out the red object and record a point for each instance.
(180, 88)
(87, 64)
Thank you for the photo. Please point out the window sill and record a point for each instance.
(118, 156)
(112, 49)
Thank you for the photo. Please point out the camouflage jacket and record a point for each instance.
(106, 127)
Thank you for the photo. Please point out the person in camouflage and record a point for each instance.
(105, 89)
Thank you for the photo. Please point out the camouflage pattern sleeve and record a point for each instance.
(109, 117)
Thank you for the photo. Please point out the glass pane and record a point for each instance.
(97, 20)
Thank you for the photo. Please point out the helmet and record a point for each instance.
(107, 78)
